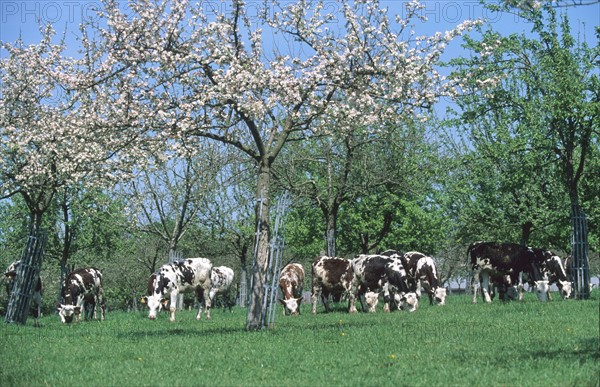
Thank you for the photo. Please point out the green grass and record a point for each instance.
(520, 343)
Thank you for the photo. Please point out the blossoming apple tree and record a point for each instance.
(54, 124)
(256, 76)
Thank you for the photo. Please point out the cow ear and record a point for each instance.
(165, 302)
(77, 309)
(144, 300)
(281, 301)
(299, 300)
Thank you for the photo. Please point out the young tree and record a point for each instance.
(257, 78)
(54, 120)
(167, 197)
(546, 93)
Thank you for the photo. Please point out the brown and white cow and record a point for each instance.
(186, 275)
(291, 283)
(331, 276)
(504, 261)
(423, 271)
(81, 287)
(10, 274)
(376, 273)
(222, 279)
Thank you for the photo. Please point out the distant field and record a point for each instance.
(520, 343)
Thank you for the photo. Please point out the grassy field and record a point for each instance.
(520, 343)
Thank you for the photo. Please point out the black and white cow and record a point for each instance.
(424, 272)
(291, 283)
(222, 281)
(10, 274)
(331, 276)
(503, 263)
(552, 269)
(186, 275)
(81, 287)
(380, 273)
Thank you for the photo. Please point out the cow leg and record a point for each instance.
(520, 287)
(37, 299)
(80, 304)
(200, 301)
(199, 315)
(485, 286)
(352, 301)
(475, 285)
(427, 286)
(386, 297)
(361, 298)
(325, 301)
(101, 304)
(314, 297)
(207, 299)
(173, 304)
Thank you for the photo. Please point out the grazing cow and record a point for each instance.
(383, 273)
(186, 275)
(10, 274)
(331, 275)
(423, 271)
(552, 269)
(222, 279)
(503, 261)
(291, 283)
(80, 287)
(426, 274)
(401, 285)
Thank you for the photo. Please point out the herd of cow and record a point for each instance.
(397, 278)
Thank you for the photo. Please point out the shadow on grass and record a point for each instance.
(586, 350)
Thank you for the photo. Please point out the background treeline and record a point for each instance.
(421, 198)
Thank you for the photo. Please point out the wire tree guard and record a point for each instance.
(579, 263)
(276, 248)
(27, 274)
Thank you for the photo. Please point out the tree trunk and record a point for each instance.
(331, 235)
(526, 232)
(256, 315)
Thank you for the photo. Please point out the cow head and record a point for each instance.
(291, 306)
(372, 299)
(407, 301)
(541, 289)
(155, 303)
(565, 288)
(67, 312)
(439, 296)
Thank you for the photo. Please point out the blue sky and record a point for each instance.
(19, 17)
